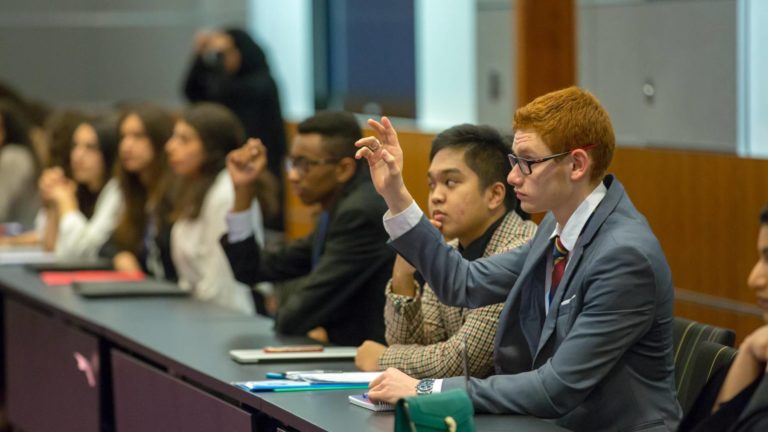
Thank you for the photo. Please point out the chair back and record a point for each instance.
(701, 350)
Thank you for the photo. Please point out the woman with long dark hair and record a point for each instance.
(140, 240)
(197, 154)
(81, 212)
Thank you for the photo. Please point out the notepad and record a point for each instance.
(258, 355)
(363, 401)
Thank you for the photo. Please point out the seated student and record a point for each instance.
(468, 201)
(197, 153)
(142, 235)
(585, 335)
(19, 167)
(737, 399)
(332, 281)
(81, 213)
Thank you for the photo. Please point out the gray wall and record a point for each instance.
(97, 52)
(682, 52)
(496, 76)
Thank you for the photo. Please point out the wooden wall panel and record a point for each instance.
(546, 47)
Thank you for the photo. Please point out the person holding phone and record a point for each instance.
(230, 68)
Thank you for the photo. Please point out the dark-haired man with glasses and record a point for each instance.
(585, 335)
(330, 284)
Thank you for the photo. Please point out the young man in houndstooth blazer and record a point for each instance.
(471, 203)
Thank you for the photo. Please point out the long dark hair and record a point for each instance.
(220, 132)
(141, 201)
(107, 136)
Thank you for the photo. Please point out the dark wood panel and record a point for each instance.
(173, 405)
(546, 47)
(52, 373)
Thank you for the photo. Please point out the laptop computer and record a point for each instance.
(144, 288)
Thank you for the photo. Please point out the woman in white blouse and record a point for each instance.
(81, 213)
(197, 154)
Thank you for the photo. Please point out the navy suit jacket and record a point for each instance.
(602, 358)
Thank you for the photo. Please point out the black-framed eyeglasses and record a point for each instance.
(303, 165)
(526, 165)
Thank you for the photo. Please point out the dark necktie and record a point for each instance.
(559, 261)
(320, 232)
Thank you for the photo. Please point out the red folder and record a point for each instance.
(53, 278)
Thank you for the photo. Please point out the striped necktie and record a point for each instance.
(559, 261)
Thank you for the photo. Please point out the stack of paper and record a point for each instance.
(339, 377)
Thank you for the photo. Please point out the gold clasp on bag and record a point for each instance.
(451, 423)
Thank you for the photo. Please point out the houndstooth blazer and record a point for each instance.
(425, 336)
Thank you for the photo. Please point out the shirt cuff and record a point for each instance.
(401, 223)
(437, 386)
(239, 226)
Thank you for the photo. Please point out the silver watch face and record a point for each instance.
(425, 386)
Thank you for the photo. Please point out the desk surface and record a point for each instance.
(192, 339)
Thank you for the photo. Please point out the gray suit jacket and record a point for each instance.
(602, 358)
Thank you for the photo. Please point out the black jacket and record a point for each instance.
(344, 292)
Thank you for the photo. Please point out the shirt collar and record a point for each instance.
(476, 249)
(572, 229)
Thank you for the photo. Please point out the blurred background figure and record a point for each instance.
(231, 69)
(19, 166)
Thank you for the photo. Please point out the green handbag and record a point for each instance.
(450, 410)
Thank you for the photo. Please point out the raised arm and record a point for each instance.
(385, 160)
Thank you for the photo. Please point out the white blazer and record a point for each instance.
(200, 261)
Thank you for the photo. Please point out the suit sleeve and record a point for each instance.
(619, 307)
(251, 265)
(455, 280)
(353, 252)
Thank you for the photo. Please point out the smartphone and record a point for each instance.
(293, 348)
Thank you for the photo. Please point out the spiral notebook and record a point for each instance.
(362, 400)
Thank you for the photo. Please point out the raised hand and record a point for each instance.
(385, 160)
(247, 163)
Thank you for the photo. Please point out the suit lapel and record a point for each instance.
(601, 213)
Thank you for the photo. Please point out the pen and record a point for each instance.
(322, 388)
(465, 361)
(294, 374)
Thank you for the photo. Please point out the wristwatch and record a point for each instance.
(424, 387)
